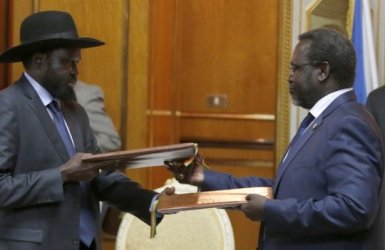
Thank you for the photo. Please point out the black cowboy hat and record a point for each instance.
(47, 30)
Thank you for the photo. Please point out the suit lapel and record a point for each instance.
(43, 116)
(297, 144)
(294, 148)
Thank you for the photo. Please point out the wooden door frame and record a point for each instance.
(283, 99)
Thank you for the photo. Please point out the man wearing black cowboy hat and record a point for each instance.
(49, 198)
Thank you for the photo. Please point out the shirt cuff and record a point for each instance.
(154, 199)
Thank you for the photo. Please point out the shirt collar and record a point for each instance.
(325, 101)
(43, 94)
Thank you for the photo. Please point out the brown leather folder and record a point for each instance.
(148, 157)
(210, 199)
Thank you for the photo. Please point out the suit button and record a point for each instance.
(76, 242)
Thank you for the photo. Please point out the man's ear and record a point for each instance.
(38, 59)
(324, 71)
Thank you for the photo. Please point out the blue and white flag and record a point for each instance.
(362, 38)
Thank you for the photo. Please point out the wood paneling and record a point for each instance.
(202, 49)
(163, 123)
(24, 8)
(136, 103)
(137, 88)
(162, 51)
(227, 129)
(222, 49)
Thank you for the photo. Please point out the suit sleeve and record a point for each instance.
(119, 191)
(353, 168)
(218, 181)
(372, 104)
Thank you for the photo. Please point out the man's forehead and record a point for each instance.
(304, 45)
(302, 48)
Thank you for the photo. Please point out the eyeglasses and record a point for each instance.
(293, 67)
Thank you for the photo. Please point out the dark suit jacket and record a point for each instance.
(376, 106)
(36, 210)
(329, 191)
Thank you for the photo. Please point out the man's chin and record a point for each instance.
(66, 94)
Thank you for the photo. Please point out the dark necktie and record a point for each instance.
(87, 217)
(305, 123)
(302, 127)
(61, 127)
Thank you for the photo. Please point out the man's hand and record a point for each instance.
(77, 170)
(191, 173)
(254, 206)
(168, 191)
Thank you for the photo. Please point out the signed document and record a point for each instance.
(210, 199)
(148, 157)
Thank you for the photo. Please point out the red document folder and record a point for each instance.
(211, 199)
(148, 157)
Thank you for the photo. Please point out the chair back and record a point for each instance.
(196, 229)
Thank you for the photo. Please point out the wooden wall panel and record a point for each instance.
(162, 133)
(227, 129)
(222, 49)
(137, 70)
(205, 48)
(24, 8)
(136, 102)
(162, 89)
(162, 50)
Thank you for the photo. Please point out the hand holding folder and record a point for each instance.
(146, 157)
(188, 172)
(228, 198)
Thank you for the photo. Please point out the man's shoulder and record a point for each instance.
(88, 87)
(87, 92)
(15, 89)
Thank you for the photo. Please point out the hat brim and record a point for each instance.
(16, 54)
